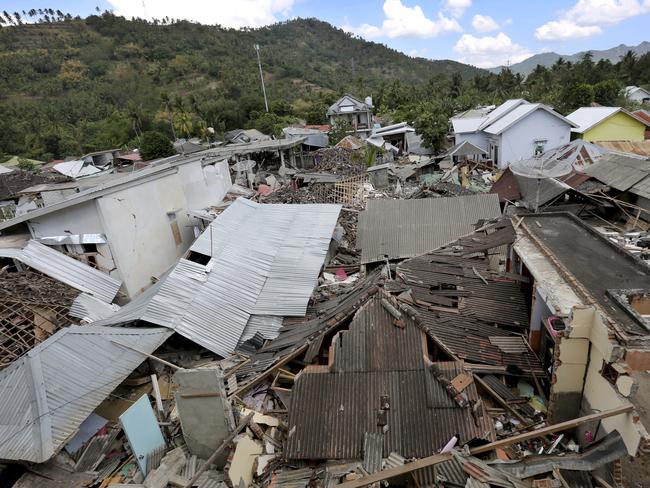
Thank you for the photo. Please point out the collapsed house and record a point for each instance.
(380, 392)
(587, 320)
(237, 283)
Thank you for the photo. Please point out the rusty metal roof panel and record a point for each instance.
(333, 408)
(407, 228)
(619, 171)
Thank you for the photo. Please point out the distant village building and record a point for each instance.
(243, 136)
(607, 124)
(637, 94)
(354, 111)
(514, 130)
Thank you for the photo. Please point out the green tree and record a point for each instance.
(155, 145)
(606, 92)
(577, 95)
(339, 130)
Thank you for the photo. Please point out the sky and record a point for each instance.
(483, 33)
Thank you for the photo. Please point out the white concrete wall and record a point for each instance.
(479, 139)
(204, 186)
(140, 232)
(79, 219)
(518, 142)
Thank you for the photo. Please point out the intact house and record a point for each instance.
(357, 113)
(514, 130)
(637, 94)
(134, 226)
(589, 322)
(607, 124)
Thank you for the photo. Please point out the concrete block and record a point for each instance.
(204, 411)
(625, 384)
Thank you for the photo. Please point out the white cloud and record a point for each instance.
(561, 30)
(419, 53)
(403, 21)
(240, 13)
(586, 18)
(484, 23)
(488, 51)
(457, 7)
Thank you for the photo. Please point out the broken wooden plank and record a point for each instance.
(500, 400)
(461, 382)
(439, 458)
(261, 377)
(155, 358)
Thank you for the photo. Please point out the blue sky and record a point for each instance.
(480, 32)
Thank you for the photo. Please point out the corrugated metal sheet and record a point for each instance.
(265, 260)
(90, 309)
(619, 171)
(466, 317)
(407, 228)
(332, 411)
(642, 188)
(49, 392)
(65, 269)
(373, 447)
(267, 326)
(641, 148)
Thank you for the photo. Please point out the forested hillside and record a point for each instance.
(71, 85)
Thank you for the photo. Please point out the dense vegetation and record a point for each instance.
(70, 85)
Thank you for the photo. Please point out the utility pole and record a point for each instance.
(259, 63)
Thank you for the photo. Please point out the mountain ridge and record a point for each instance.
(547, 59)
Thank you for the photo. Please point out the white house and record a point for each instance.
(514, 130)
(637, 94)
(132, 226)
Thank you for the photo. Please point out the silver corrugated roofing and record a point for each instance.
(619, 171)
(407, 228)
(90, 309)
(265, 260)
(65, 269)
(49, 392)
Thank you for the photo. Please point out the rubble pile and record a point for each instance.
(339, 161)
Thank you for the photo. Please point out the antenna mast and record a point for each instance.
(259, 63)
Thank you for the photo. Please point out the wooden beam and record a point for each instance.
(155, 358)
(397, 471)
(439, 458)
(500, 400)
(569, 424)
(268, 372)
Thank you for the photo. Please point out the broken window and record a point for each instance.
(445, 295)
(609, 373)
(540, 145)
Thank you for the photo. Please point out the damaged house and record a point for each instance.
(237, 283)
(353, 111)
(588, 320)
(112, 225)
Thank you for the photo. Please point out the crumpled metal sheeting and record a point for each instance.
(267, 326)
(90, 309)
(65, 269)
(49, 392)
